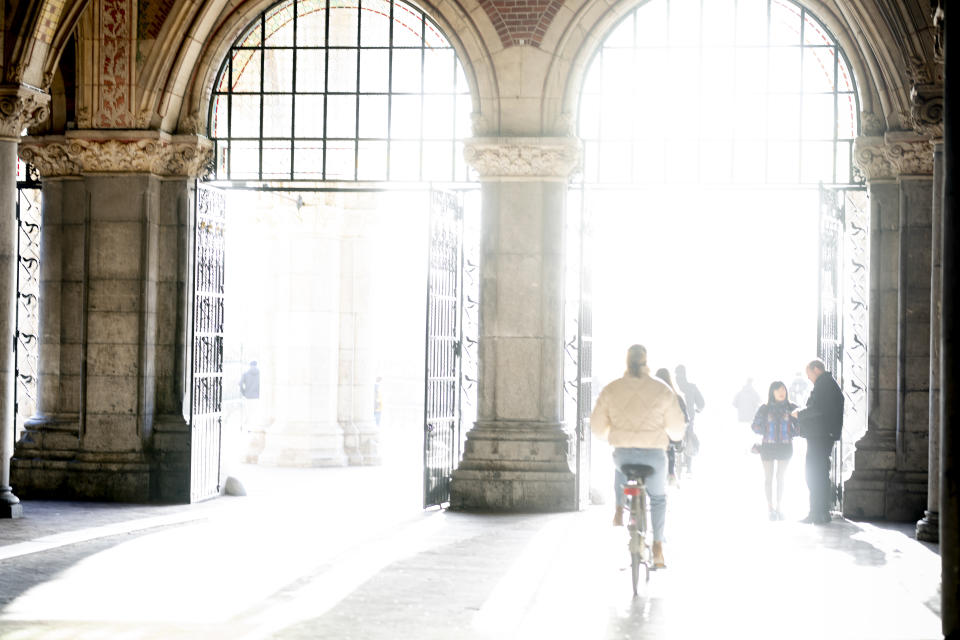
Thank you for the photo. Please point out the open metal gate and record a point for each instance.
(27, 344)
(450, 378)
(842, 318)
(206, 388)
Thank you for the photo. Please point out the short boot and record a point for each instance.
(658, 562)
(618, 517)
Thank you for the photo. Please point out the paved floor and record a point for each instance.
(347, 553)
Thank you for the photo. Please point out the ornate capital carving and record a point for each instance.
(554, 158)
(118, 152)
(21, 107)
(911, 157)
(926, 109)
(869, 156)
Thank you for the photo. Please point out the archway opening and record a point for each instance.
(335, 125)
(717, 145)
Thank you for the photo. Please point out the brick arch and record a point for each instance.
(521, 22)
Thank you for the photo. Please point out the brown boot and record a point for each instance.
(618, 517)
(658, 562)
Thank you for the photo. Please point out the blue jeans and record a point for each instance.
(656, 482)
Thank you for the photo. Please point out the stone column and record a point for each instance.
(114, 315)
(890, 469)
(19, 108)
(518, 455)
(928, 528)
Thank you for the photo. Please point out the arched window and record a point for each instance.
(341, 90)
(719, 91)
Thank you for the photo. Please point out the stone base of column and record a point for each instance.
(303, 445)
(515, 467)
(109, 478)
(361, 441)
(885, 495)
(928, 529)
(10, 506)
(865, 493)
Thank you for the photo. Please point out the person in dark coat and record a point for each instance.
(821, 424)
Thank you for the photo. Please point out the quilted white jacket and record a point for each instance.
(640, 412)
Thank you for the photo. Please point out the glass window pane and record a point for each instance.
(438, 71)
(750, 117)
(716, 161)
(407, 26)
(276, 159)
(813, 33)
(438, 160)
(622, 33)
(684, 24)
(245, 118)
(279, 24)
(405, 117)
(783, 161)
(717, 72)
(343, 23)
(464, 120)
(310, 70)
(309, 117)
(785, 69)
(277, 116)
(278, 70)
(373, 116)
(308, 160)
(252, 38)
(677, 165)
(461, 171)
(220, 110)
(591, 154)
(244, 160)
(462, 86)
(717, 117)
(589, 125)
(784, 23)
(222, 150)
(341, 117)
(784, 116)
(817, 121)
(649, 166)
(311, 23)
(843, 162)
(616, 118)
(816, 163)
(246, 70)
(432, 36)
(406, 70)
(342, 70)
(438, 117)
(752, 22)
(846, 116)
(617, 69)
(375, 23)
(372, 160)
(844, 77)
(652, 24)
(751, 70)
(404, 160)
(374, 71)
(718, 22)
(615, 165)
(818, 69)
(341, 160)
(749, 161)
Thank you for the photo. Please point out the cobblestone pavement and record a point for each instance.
(347, 553)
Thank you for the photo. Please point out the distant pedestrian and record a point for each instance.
(250, 382)
(694, 401)
(775, 422)
(821, 424)
(377, 400)
(664, 374)
(746, 401)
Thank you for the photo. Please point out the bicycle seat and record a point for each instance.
(637, 471)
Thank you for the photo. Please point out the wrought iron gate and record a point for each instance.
(450, 378)
(26, 347)
(578, 332)
(206, 388)
(842, 319)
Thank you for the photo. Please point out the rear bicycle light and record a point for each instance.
(631, 491)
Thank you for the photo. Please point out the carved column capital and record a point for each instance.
(524, 158)
(91, 152)
(870, 157)
(926, 109)
(909, 156)
(21, 107)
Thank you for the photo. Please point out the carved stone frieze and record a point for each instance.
(869, 156)
(159, 154)
(926, 109)
(523, 157)
(911, 158)
(21, 107)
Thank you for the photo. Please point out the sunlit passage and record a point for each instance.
(725, 228)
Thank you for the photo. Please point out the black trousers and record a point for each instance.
(818, 475)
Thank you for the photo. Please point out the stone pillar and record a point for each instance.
(950, 353)
(928, 528)
(19, 108)
(114, 309)
(518, 455)
(890, 468)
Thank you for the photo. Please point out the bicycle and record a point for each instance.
(641, 553)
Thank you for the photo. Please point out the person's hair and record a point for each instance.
(818, 365)
(664, 374)
(636, 359)
(776, 384)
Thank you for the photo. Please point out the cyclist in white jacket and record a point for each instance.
(639, 415)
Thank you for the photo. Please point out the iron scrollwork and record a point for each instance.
(26, 352)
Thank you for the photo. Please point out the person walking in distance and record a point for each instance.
(821, 424)
(694, 401)
(639, 415)
(664, 374)
(775, 422)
